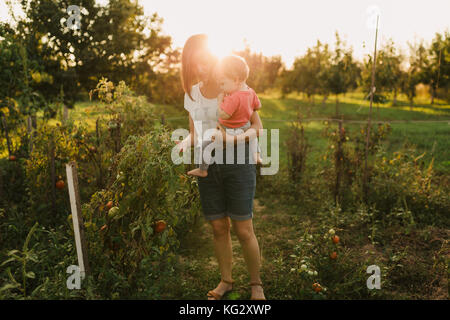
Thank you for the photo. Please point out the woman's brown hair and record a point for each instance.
(193, 45)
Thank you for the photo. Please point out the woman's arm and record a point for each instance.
(189, 141)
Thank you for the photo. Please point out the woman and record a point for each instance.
(228, 190)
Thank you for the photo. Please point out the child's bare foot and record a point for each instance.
(197, 172)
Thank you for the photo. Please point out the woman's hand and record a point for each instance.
(189, 140)
(248, 135)
(182, 145)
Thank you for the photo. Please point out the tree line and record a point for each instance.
(332, 72)
(43, 60)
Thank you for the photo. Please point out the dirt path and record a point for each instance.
(199, 265)
(199, 268)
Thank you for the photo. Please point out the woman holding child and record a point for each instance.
(216, 96)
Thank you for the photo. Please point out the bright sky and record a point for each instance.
(288, 27)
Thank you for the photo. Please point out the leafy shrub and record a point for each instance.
(318, 261)
(297, 147)
(133, 114)
(344, 162)
(402, 181)
(148, 188)
(69, 145)
(12, 182)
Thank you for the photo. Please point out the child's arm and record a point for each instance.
(222, 114)
(256, 103)
(229, 104)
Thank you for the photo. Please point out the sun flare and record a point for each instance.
(222, 44)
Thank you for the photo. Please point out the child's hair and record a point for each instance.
(234, 67)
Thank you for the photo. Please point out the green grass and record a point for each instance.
(431, 138)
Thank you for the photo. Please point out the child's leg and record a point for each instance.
(256, 151)
(202, 170)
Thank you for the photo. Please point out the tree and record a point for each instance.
(436, 71)
(309, 72)
(344, 71)
(415, 74)
(388, 73)
(389, 69)
(111, 42)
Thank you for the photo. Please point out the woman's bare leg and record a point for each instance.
(223, 250)
(246, 235)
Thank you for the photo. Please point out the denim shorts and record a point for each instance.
(228, 189)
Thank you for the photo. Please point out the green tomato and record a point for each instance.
(113, 212)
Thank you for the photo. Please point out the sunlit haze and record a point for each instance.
(288, 27)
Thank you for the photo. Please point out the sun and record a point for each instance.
(222, 44)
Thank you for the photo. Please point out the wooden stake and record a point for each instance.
(370, 111)
(77, 218)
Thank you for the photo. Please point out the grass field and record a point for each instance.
(277, 113)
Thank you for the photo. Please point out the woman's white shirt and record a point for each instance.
(203, 111)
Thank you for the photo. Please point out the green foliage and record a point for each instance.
(309, 73)
(344, 71)
(124, 109)
(13, 181)
(127, 253)
(344, 161)
(21, 76)
(388, 73)
(297, 147)
(68, 142)
(22, 257)
(148, 188)
(403, 181)
(318, 260)
(436, 69)
(105, 45)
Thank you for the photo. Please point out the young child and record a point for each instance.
(236, 107)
